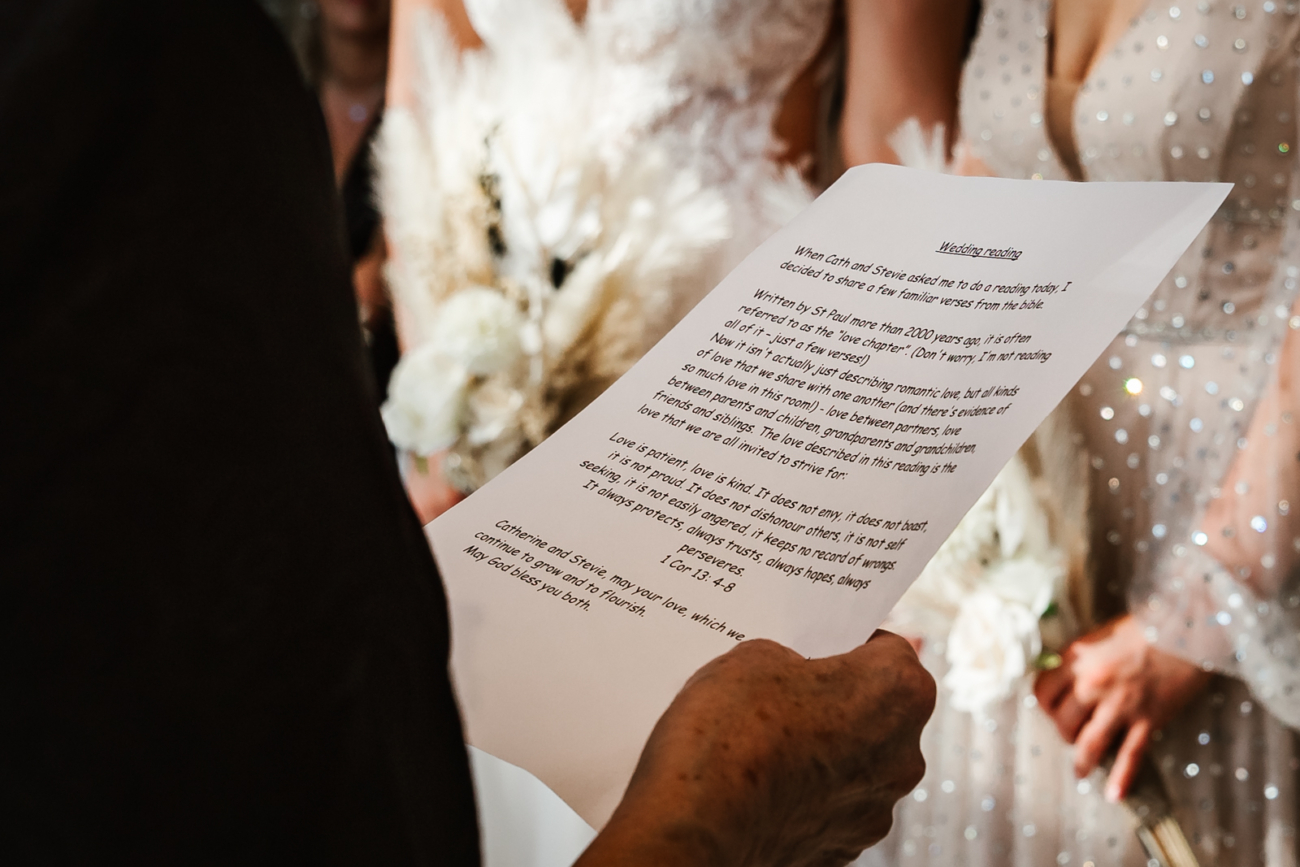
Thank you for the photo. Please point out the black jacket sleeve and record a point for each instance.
(222, 636)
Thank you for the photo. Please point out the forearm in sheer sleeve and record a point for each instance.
(1232, 601)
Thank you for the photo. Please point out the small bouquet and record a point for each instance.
(997, 589)
(537, 236)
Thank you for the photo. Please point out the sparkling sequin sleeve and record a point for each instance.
(1227, 592)
(1225, 624)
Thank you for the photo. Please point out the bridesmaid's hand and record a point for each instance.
(966, 164)
(428, 490)
(1115, 687)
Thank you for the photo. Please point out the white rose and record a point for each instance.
(992, 644)
(479, 329)
(425, 402)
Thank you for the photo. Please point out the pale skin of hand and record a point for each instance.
(1113, 687)
(768, 759)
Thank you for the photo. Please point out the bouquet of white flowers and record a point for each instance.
(533, 259)
(997, 589)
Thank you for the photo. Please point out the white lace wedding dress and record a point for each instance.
(1195, 91)
(596, 178)
(705, 79)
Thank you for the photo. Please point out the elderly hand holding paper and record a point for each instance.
(768, 758)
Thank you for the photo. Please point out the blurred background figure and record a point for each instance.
(342, 48)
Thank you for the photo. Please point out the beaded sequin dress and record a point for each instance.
(1198, 91)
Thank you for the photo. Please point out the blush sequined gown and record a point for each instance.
(1196, 91)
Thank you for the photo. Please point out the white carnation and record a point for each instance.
(478, 329)
(991, 646)
(425, 402)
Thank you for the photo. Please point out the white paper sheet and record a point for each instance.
(789, 457)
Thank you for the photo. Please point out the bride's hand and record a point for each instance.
(1114, 687)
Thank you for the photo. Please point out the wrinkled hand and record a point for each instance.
(767, 758)
(1113, 684)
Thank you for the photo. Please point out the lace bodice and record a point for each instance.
(742, 50)
(713, 71)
